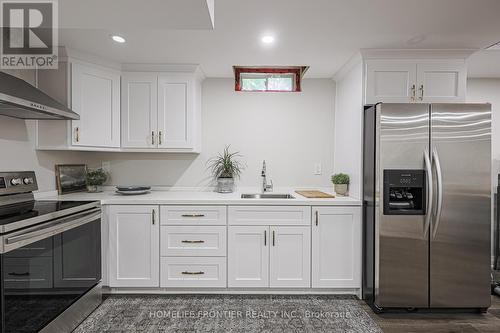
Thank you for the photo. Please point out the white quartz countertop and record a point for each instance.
(193, 197)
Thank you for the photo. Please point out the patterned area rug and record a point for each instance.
(229, 313)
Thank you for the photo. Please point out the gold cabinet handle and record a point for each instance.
(413, 93)
(193, 241)
(317, 218)
(193, 215)
(153, 216)
(152, 137)
(421, 89)
(159, 138)
(273, 239)
(77, 134)
(193, 273)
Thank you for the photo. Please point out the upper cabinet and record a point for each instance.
(409, 81)
(161, 111)
(95, 96)
(129, 108)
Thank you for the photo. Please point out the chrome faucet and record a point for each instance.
(265, 186)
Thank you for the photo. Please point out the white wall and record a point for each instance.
(291, 131)
(348, 126)
(17, 148)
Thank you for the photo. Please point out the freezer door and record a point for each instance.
(401, 241)
(460, 231)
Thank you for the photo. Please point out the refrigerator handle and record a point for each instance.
(439, 180)
(430, 192)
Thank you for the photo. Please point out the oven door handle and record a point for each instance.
(56, 227)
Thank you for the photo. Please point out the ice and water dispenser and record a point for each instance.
(404, 192)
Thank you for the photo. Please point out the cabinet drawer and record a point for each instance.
(208, 241)
(193, 215)
(269, 215)
(28, 273)
(192, 272)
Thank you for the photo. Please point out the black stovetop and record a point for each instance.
(15, 213)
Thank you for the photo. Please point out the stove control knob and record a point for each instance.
(16, 181)
(28, 180)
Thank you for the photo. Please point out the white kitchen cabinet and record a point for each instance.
(269, 215)
(175, 111)
(161, 111)
(193, 272)
(95, 96)
(139, 93)
(441, 82)
(336, 247)
(390, 81)
(290, 257)
(407, 81)
(134, 250)
(248, 256)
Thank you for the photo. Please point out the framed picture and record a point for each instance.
(71, 178)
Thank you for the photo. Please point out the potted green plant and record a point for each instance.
(340, 183)
(225, 167)
(95, 179)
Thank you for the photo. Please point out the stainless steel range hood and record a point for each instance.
(19, 99)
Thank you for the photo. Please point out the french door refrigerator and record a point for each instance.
(427, 206)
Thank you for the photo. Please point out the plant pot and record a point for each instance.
(341, 189)
(225, 184)
(94, 188)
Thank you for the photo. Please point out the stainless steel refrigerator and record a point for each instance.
(427, 206)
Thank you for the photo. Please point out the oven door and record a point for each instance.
(47, 268)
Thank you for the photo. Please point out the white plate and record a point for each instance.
(132, 192)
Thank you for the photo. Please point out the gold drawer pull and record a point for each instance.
(193, 241)
(193, 273)
(193, 215)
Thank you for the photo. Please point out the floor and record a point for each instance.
(439, 323)
(271, 313)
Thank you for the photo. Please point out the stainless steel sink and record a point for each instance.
(266, 196)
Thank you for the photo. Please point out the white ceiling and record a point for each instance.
(323, 34)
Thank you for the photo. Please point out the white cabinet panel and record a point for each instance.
(441, 82)
(193, 241)
(390, 81)
(139, 110)
(269, 215)
(175, 111)
(336, 247)
(96, 98)
(290, 257)
(193, 272)
(248, 256)
(193, 215)
(134, 246)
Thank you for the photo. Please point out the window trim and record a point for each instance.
(298, 72)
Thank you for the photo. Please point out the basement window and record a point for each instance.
(268, 79)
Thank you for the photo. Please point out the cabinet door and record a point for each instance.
(336, 247)
(134, 236)
(290, 256)
(95, 96)
(248, 256)
(441, 82)
(139, 110)
(390, 81)
(175, 111)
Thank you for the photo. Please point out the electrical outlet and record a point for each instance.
(317, 169)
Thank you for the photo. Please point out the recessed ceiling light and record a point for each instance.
(118, 39)
(267, 39)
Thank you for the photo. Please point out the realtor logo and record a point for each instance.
(29, 34)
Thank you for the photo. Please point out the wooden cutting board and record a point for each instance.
(315, 194)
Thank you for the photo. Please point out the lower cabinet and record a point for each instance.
(269, 256)
(336, 247)
(134, 249)
(193, 272)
